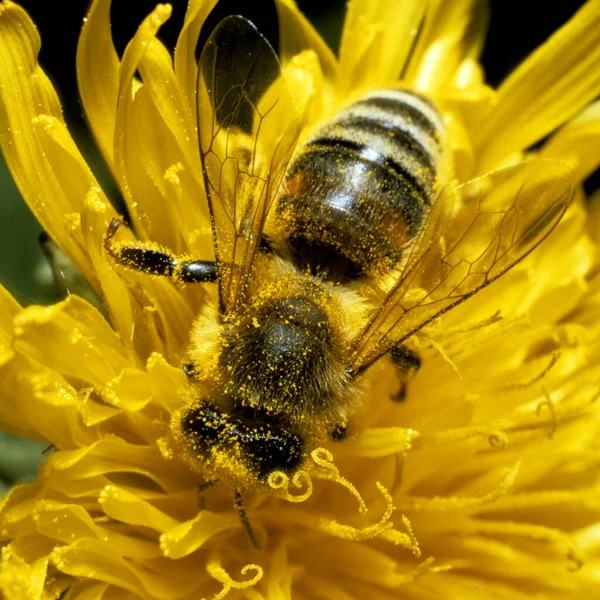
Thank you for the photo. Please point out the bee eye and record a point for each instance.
(203, 428)
(269, 450)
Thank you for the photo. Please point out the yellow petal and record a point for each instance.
(13, 417)
(156, 69)
(95, 219)
(72, 338)
(125, 507)
(578, 142)
(187, 537)
(448, 37)
(167, 381)
(380, 441)
(159, 579)
(123, 144)
(85, 590)
(162, 164)
(17, 504)
(68, 470)
(9, 308)
(186, 65)
(172, 312)
(137, 304)
(560, 78)
(18, 579)
(45, 163)
(68, 522)
(305, 80)
(37, 403)
(376, 41)
(467, 103)
(158, 167)
(296, 34)
(309, 66)
(98, 76)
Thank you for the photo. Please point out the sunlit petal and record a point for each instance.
(560, 78)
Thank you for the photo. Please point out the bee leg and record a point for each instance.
(339, 432)
(408, 363)
(202, 488)
(266, 245)
(239, 506)
(400, 395)
(189, 369)
(157, 261)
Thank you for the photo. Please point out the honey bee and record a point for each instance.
(328, 257)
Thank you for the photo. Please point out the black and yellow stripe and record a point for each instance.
(360, 188)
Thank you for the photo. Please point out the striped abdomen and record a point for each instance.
(360, 189)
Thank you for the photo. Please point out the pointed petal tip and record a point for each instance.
(161, 13)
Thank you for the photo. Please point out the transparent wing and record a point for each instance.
(248, 128)
(473, 234)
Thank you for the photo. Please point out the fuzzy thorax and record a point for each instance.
(285, 353)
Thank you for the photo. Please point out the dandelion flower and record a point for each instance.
(484, 483)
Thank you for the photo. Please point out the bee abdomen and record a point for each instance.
(360, 188)
(397, 129)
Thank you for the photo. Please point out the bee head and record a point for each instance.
(254, 439)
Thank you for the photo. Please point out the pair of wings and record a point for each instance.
(248, 128)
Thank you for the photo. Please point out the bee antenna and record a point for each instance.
(239, 506)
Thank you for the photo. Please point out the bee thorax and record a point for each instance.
(282, 360)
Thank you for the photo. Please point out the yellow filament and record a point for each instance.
(497, 316)
(280, 481)
(552, 409)
(408, 540)
(513, 387)
(533, 532)
(454, 502)
(324, 459)
(498, 439)
(216, 571)
(347, 532)
(440, 350)
(425, 567)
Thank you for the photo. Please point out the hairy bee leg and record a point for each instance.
(189, 369)
(239, 506)
(400, 395)
(339, 432)
(157, 261)
(207, 485)
(408, 363)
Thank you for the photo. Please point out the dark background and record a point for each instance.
(517, 27)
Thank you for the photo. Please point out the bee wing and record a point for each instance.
(473, 234)
(248, 128)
